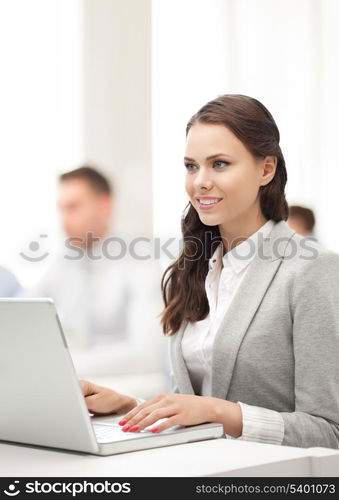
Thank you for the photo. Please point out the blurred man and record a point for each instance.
(9, 285)
(107, 305)
(301, 220)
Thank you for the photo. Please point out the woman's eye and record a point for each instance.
(189, 167)
(221, 164)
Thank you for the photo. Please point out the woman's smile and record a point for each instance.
(207, 202)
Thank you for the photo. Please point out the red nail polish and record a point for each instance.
(122, 422)
(155, 429)
(125, 428)
(135, 428)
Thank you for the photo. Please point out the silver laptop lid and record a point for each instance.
(41, 398)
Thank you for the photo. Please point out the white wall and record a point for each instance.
(284, 53)
(117, 104)
(326, 171)
(40, 46)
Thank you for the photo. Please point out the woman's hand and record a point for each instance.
(182, 409)
(104, 401)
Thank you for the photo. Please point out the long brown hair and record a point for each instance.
(183, 283)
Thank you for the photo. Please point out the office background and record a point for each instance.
(113, 83)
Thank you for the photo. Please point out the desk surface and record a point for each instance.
(218, 457)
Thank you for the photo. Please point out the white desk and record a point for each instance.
(219, 457)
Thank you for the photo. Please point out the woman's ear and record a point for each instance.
(269, 167)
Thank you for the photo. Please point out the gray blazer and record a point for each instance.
(278, 344)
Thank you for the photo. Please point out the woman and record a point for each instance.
(251, 308)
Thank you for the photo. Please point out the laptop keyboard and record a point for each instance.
(106, 433)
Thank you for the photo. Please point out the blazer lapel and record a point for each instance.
(244, 306)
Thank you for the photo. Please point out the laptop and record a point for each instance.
(42, 403)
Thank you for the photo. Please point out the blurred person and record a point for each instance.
(301, 220)
(253, 319)
(9, 285)
(107, 306)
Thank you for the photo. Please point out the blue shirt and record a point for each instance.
(9, 285)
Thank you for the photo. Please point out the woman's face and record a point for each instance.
(223, 177)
